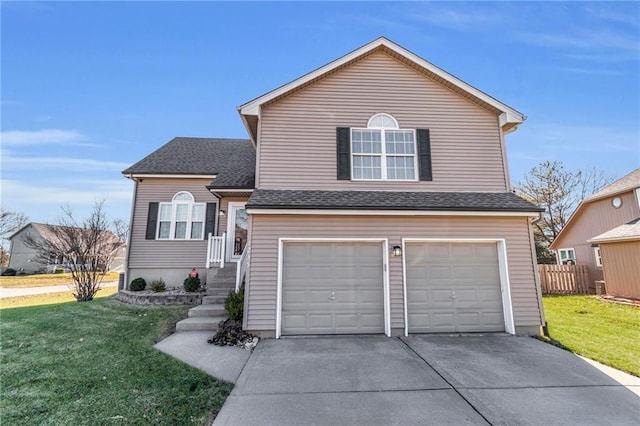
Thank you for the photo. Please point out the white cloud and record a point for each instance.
(43, 137)
(10, 162)
(583, 39)
(42, 202)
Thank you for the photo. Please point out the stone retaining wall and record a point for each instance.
(163, 298)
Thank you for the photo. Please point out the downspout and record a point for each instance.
(536, 276)
(130, 233)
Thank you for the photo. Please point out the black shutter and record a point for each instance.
(343, 144)
(210, 220)
(424, 154)
(152, 221)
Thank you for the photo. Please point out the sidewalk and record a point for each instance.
(30, 291)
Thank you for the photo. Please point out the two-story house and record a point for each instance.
(372, 196)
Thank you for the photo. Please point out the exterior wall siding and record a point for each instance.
(622, 268)
(594, 219)
(260, 294)
(163, 254)
(23, 256)
(297, 141)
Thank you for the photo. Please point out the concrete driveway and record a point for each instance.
(440, 380)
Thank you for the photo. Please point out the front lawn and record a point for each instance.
(49, 298)
(45, 280)
(93, 363)
(606, 332)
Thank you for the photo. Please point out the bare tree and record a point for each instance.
(559, 192)
(10, 222)
(88, 247)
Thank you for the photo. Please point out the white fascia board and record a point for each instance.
(231, 190)
(614, 239)
(252, 107)
(135, 175)
(328, 212)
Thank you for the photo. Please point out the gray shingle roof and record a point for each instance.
(625, 183)
(233, 160)
(384, 200)
(628, 231)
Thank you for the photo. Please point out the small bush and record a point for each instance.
(9, 272)
(192, 284)
(158, 285)
(234, 305)
(138, 284)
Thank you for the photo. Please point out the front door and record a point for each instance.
(236, 230)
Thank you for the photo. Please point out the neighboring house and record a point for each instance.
(620, 253)
(381, 203)
(612, 206)
(25, 259)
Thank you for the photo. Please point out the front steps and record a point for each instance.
(205, 317)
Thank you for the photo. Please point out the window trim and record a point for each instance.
(189, 223)
(598, 255)
(560, 262)
(383, 152)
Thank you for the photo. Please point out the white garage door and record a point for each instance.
(453, 287)
(332, 288)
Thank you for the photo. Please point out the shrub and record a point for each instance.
(234, 305)
(138, 284)
(192, 284)
(9, 272)
(158, 285)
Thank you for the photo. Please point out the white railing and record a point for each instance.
(215, 250)
(241, 267)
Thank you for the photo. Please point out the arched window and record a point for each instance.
(383, 151)
(181, 219)
(382, 121)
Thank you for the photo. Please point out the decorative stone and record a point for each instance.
(169, 297)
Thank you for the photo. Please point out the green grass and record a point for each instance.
(49, 298)
(606, 332)
(44, 280)
(92, 363)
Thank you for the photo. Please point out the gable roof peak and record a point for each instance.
(625, 183)
(509, 117)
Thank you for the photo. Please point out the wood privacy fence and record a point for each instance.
(564, 279)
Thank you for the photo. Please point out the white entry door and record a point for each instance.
(237, 228)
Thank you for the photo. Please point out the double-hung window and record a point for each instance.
(181, 219)
(566, 256)
(383, 151)
(598, 256)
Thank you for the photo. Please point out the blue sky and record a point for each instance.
(89, 88)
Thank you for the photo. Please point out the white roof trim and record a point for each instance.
(512, 116)
(339, 212)
(142, 175)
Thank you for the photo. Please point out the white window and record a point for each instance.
(383, 151)
(566, 256)
(596, 251)
(181, 219)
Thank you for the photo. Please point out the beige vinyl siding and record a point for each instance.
(621, 262)
(266, 229)
(297, 141)
(593, 219)
(166, 253)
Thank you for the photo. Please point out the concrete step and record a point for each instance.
(207, 310)
(209, 300)
(219, 291)
(221, 284)
(199, 324)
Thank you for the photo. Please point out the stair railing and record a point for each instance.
(241, 267)
(216, 250)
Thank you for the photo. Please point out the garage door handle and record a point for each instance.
(332, 298)
(452, 296)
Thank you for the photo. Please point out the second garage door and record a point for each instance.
(332, 288)
(453, 287)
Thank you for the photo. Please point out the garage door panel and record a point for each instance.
(453, 287)
(342, 283)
